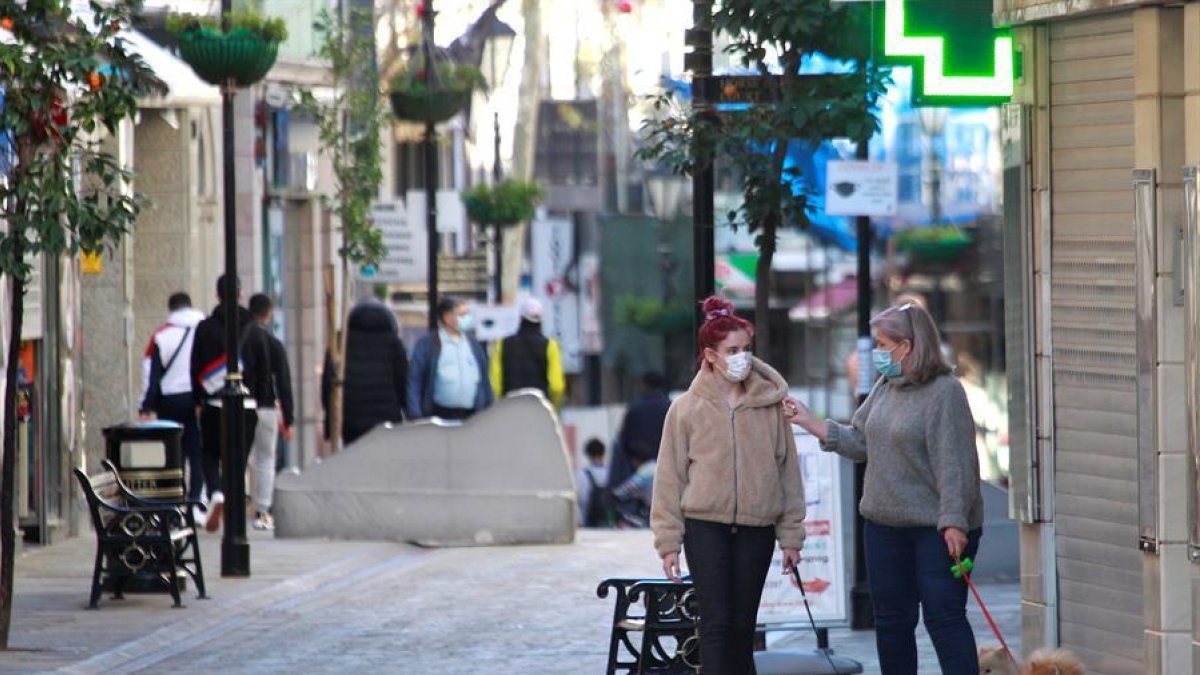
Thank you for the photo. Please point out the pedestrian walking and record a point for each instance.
(632, 497)
(642, 427)
(921, 497)
(167, 387)
(276, 415)
(376, 371)
(528, 359)
(448, 375)
(727, 486)
(208, 367)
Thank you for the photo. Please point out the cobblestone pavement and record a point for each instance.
(342, 607)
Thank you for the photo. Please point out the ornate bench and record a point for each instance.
(137, 537)
(654, 627)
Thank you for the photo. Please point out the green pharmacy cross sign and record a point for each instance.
(958, 57)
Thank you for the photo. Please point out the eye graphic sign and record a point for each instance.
(958, 57)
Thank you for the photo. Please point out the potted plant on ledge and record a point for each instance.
(242, 52)
(421, 95)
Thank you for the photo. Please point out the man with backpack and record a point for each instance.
(208, 366)
(166, 383)
(591, 484)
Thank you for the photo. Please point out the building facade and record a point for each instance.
(1097, 143)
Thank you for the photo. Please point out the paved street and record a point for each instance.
(333, 607)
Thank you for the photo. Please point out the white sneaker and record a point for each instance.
(216, 506)
(264, 521)
(200, 515)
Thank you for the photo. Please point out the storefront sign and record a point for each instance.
(958, 57)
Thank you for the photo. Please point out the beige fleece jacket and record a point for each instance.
(734, 466)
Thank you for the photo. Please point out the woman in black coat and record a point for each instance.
(376, 371)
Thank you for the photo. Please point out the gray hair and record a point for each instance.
(911, 322)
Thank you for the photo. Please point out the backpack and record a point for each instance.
(600, 511)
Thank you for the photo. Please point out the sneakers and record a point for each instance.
(264, 521)
(216, 506)
(200, 515)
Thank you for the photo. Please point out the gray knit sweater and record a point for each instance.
(919, 445)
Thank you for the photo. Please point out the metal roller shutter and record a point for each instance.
(1094, 342)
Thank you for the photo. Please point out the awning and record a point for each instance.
(184, 88)
(827, 301)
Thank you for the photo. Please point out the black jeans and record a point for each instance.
(181, 408)
(210, 429)
(729, 566)
(909, 567)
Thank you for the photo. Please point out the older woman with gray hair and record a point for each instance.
(921, 498)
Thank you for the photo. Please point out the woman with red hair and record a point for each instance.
(726, 487)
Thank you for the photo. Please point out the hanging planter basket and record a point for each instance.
(504, 204)
(418, 96)
(429, 106)
(240, 55)
(935, 244)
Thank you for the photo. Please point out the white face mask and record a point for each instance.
(737, 367)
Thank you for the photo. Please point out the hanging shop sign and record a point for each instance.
(958, 57)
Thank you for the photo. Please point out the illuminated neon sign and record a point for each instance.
(958, 58)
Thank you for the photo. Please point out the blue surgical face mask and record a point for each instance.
(466, 323)
(884, 364)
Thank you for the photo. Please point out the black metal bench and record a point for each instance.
(654, 629)
(137, 537)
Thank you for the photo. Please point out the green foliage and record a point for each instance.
(69, 79)
(939, 243)
(271, 30)
(447, 75)
(653, 315)
(774, 36)
(349, 128)
(508, 202)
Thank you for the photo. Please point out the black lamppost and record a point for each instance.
(431, 168)
(699, 62)
(235, 549)
(497, 52)
(666, 195)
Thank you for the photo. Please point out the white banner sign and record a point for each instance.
(406, 260)
(861, 188)
(823, 559)
(555, 277)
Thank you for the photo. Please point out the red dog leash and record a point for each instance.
(962, 569)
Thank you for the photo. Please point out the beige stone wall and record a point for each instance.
(1015, 12)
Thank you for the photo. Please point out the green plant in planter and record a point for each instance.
(652, 314)
(506, 203)
(447, 91)
(939, 243)
(243, 53)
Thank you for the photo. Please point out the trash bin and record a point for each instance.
(149, 456)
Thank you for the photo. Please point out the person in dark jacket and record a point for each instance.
(528, 359)
(208, 384)
(274, 420)
(448, 376)
(376, 371)
(642, 427)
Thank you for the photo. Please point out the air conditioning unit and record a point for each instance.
(302, 171)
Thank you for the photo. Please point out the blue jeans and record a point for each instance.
(909, 568)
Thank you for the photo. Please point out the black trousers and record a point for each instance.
(181, 408)
(210, 430)
(729, 566)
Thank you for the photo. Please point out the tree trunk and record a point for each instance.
(337, 359)
(525, 135)
(766, 254)
(8, 533)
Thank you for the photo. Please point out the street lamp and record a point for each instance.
(666, 197)
(497, 52)
(933, 123)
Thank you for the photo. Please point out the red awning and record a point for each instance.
(827, 301)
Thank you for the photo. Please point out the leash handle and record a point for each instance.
(963, 568)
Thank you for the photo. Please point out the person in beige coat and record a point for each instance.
(727, 486)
